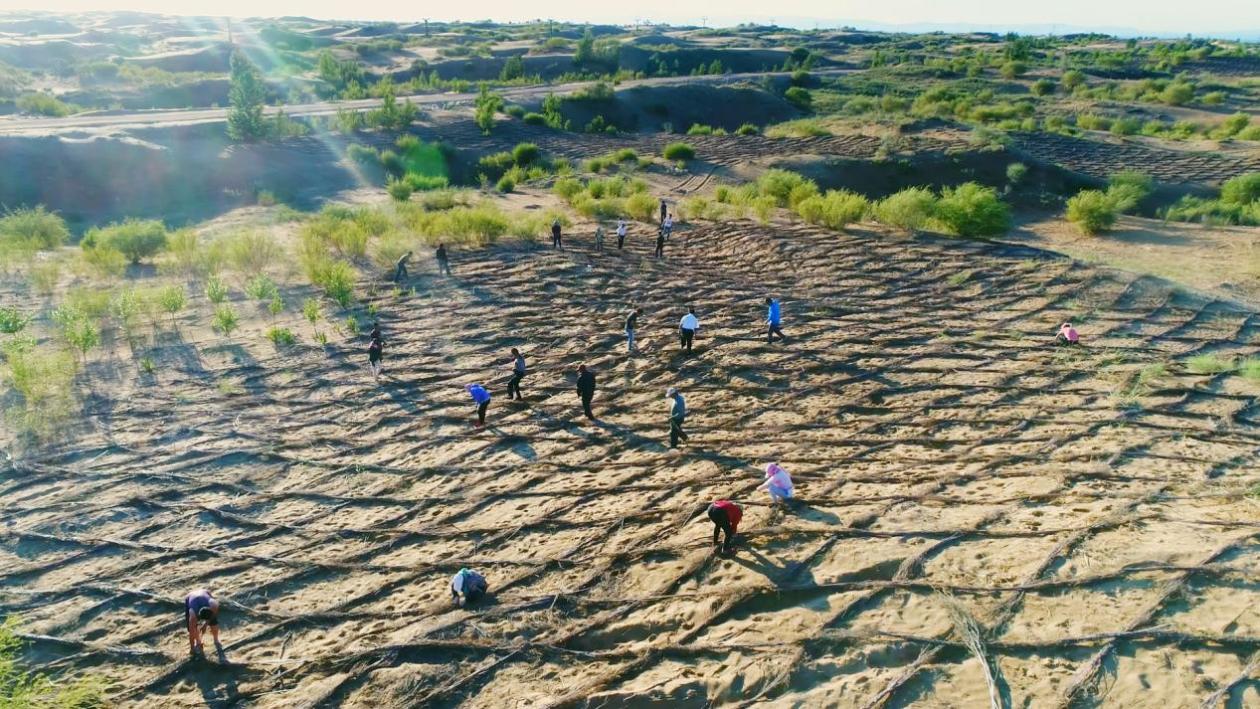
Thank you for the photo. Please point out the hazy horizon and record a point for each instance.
(1221, 18)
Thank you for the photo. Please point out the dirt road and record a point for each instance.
(26, 125)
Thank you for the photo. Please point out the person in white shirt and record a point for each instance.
(621, 233)
(668, 226)
(687, 328)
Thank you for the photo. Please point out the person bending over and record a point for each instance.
(467, 586)
(201, 611)
(725, 516)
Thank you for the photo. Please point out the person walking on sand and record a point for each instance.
(632, 322)
(400, 268)
(556, 241)
(621, 233)
(599, 238)
(201, 611)
(482, 398)
(660, 243)
(667, 226)
(725, 516)
(664, 210)
(687, 329)
(774, 318)
(677, 415)
(778, 483)
(443, 260)
(586, 389)
(467, 586)
(1067, 335)
(518, 373)
(375, 350)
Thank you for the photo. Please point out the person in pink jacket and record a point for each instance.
(1067, 335)
(778, 483)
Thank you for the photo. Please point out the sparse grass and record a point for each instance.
(1250, 369)
(1209, 364)
(44, 378)
(12, 321)
(960, 278)
(20, 689)
(800, 128)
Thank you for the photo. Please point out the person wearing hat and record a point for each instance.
(778, 483)
(482, 398)
(201, 611)
(725, 516)
(677, 415)
(1067, 335)
(467, 586)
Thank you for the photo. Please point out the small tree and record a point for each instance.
(247, 96)
(487, 104)
(513, 68)
(225, 320)
(216, 290)
(1092, 211)
(172, 300)
(310, 309)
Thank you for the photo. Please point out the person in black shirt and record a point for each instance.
(374, 357)
(400, 269)
(556, 241)
(660, 243)
(586, 389)
(444, 263)
(632, 321)
(518, 373)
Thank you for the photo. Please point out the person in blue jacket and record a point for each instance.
(774, 318)
(482, 397)
(467, 586)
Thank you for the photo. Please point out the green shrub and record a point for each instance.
(567, 188)
(1072, 79)
(909, 209)
(1214, 98)
(973, 210)
(425, 183)
(1126, 126)
(12, 321)
(393, 163)
(800, 97)
(525, 154)
(534, 119)
(281, 337)
(1013, 69)
(780, 184)
(641, 206)
(1015, 172)
(225, 320)
(251, 252)
(746, 129)
(260, 287)
(42, 104)
(505, 184)
(835, 209)
(33, 228)
(335, 277)
(134, 238)
(514, 110)
(1092, 211)
(1241, 190)
(1177, 93)
(216, 290)
(1090, 121)
(399, 190)
(1042, 87)
(679, 151)
(700, 129)
(172, 300)
(1127, 189)
(1209, 364)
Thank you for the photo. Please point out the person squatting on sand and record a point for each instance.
(774, 318)
(586, 389)
(1067, 335)
(443, 260)
(778, 483)
(687, 329)
(725, 516)
(482, 399)
(467, 586)
(201, 611)
(518, 373)
(677, 415)
(632, 321)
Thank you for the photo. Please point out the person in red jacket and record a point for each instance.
(725, 516)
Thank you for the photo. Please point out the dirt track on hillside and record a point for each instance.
(945, 456)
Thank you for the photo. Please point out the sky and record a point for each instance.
(1225, 18)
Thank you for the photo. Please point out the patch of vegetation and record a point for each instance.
(281, 337)
(1209, 364)
(135, 239)
(679, 151)
(1239, 204)
(973, 210)
(31, 229)
(225, 320)
(41, 104)
(910, 209)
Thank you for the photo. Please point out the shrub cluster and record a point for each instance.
(1239, 203)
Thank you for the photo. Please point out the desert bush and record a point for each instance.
(1042, 87)
(125, 307)
(746, 129)
(1090, 121)
(189, 256)
(1015, 172)
(225, 320)
(44, 377)
(260, 287)
(1177, 93)
(44, 277)
(33, 228)
(973, 210)
(1092, 211)
(525, 154)
(135, 239)
(1072, 79)
(12, 321)
(172, 300)
(104, 261)
(834, 209)
(310, 311)
(909, 209)
(800, 128)
(1013, 69)
(800, 97)
(641, 206)
(679, 151)
(534, 119)
(780, 185)
(216, 290)
(1127, 189)
(1126, 126)
(399, 190)
(281, 337)
(79, 329)
(1209, 364)
(41, 104)
(425, 183)
(1241, 190)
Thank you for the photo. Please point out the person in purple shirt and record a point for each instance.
(201, 612)
(482, 398)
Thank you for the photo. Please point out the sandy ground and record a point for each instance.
(953, 470)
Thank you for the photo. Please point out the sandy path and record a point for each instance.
(950, 466)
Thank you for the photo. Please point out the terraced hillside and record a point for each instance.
(979, 512)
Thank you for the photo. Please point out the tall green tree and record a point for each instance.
(247, 97)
